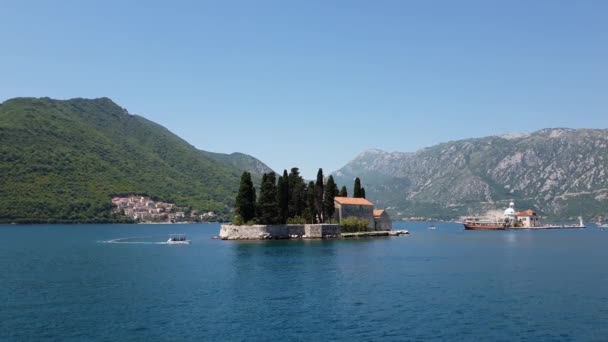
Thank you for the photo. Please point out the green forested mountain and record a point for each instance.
(63, 160)
(241, 161)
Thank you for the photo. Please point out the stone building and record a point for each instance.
(362, 209)
(381, 220)
(528, 219)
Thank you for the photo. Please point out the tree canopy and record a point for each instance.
(357, 193)
(290, 199)
(268, 206)
(245, 199)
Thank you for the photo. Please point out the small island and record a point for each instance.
(289, 208)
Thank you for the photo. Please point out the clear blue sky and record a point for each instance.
(314, 83)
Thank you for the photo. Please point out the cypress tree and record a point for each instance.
(343, 192)
(283, 197)
(297, 193)
(331, 191)
(363, 192)
(319, 192)
(268, 209)
(357, 189)
(245, 199)
(310, 212)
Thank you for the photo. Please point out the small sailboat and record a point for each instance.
(178, 239)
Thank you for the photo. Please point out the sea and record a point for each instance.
(122, 283)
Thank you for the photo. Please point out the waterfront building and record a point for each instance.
(355, 207)
(528, 219)
(381, 220)
(361, 208)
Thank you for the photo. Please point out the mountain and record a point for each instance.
(562, 173)
(62, 160)
(241, 161)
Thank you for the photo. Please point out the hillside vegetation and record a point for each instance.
(61, 161)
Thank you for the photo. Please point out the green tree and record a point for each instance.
(353, 224)
(310, 211)
(319, 192)
(343, 192)
(357, 190)
(331, 191)
(283, 197)
(363, 192)
(245, 199)
(297, 193)
(268, 209)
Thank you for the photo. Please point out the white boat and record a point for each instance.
(432, 227)
(178, 239)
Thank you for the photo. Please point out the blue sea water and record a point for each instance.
(64, 282)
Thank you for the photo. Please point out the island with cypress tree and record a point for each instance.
(289, 207)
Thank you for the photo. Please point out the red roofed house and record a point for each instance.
(528, 218)
(381, 220)
(360, 208)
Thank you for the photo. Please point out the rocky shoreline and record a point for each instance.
(375, 233)
(296, 231)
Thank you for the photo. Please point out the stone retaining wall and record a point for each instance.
(279, 231)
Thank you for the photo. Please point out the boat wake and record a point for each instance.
(129, 240)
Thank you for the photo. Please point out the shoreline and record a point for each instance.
(297, 231)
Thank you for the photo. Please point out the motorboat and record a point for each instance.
(178, 239)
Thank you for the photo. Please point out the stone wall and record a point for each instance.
(317, 231)
(365, 212)
(279, 231)
(383, 222)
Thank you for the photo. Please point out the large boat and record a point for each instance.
(480, 223)
(496, 223)
(178, 239)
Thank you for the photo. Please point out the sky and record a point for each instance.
(314, 83)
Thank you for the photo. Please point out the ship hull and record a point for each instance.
(483, 227)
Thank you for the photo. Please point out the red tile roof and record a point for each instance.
(378, 212)
(528, 212)
(352, 200)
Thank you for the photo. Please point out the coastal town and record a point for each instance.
(144, 209)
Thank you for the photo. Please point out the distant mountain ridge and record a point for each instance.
(61, 160)
(560, 172)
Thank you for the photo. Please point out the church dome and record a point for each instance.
(510, 211)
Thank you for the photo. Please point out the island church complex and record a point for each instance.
(361, 208)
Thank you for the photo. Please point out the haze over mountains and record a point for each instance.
(63, 160)
(560, 172)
